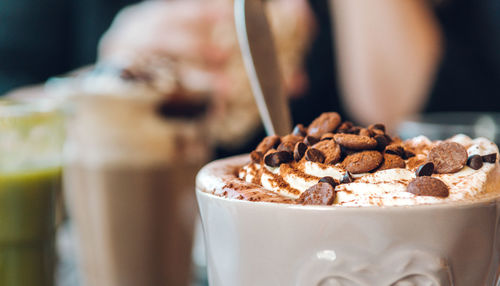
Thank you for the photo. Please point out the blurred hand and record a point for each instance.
(201, 33)
(178, 29)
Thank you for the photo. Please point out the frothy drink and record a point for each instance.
(129, 183)
(338, 204)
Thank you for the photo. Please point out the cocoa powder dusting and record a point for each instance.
(236, 189)
(278, 182)
(291, 169)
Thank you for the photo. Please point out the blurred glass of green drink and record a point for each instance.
(31, 138)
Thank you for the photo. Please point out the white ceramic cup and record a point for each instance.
(260, 243)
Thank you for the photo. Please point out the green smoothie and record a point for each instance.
(31, 138)
(27, 203)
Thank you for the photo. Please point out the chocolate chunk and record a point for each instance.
(256, 156)
(490, 158)
(328, 180)
(377, 126)
(286, 146)
(327, 136)
(346, 151)
(330, 150)
(362, 162)
(366, 132)
(382, 141)
(299, 150)
(377, 132)
(344, 127)
(354, 130)
(408, 154)
(290, 138)
(268, 143)
(475, 162)
(314, 155)
(311, 140)
(347, 178)
(319, 194)
(448, 157)
(276, 158)
(395, 149)
(428, 186)
(425, 169)
(392, 161)
(355, 142)
(299, 130)
(326, 122)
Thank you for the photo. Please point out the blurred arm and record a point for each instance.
(388, 52)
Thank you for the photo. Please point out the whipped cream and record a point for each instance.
(385, 187)
(115, 119)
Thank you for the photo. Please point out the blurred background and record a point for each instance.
(427, 67)
(382, 61)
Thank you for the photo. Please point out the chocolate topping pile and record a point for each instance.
(329, 141)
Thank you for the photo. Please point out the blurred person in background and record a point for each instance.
(387, 59)
(391, 58)
(398, 58)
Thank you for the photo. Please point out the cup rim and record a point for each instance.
(224, 169)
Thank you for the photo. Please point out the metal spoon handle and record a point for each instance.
(261, 63)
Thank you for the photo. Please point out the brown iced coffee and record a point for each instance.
(131, 160)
